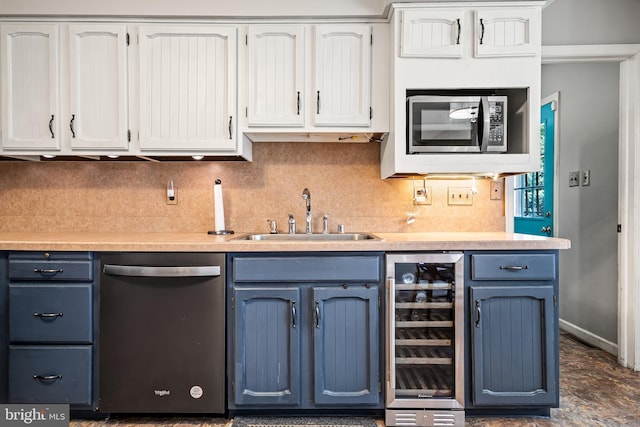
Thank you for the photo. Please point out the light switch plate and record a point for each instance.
(460, 196)
(586, 178)
(574, 179)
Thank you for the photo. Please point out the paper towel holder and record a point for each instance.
(217, 192)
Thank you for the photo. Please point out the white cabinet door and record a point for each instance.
(97, 87)
(507, 32)
(342, 69)
(432, 33)
(187, 88)
(30, 87)
(276, 75)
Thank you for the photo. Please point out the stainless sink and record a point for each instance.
(309, 237)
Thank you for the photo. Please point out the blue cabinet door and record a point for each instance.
(345, 352)
(266, 344)
(513, 342)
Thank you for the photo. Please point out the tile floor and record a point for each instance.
(594, 391)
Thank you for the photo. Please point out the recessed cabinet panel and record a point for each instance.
(342, 90)
(187, 88)
(346, 353)
(267, 346)
(276, 75)
(30, 87)
(514, 353)
(432, 34)
(507, 32)
(98, 86)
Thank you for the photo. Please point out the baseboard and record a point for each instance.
(589, 337)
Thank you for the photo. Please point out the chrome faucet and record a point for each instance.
(307, 196)
(292, 224)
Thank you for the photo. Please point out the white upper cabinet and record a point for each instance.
(30, 87)
(435, 33)
(342, 71)
(187, 89)
(275, 75)
(97, 115)
(493, 32)
(506, 32)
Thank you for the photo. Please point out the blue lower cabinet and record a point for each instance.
(267, 347)
(302, 345)
(50, 374)
(345, 345)
(511, 328)
(514, 357)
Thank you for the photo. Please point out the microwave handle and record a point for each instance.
(486, 121)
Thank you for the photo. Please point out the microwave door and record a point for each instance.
(444, 124)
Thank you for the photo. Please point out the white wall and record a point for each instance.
(588, 124)
(566, 22)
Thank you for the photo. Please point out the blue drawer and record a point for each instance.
(511, 266)
(50, 314)
(310, 268)
(50, 374)
(50, 270)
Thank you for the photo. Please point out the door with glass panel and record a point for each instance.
(533, 191)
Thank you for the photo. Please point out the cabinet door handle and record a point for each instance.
(293, 313)
(47, 315)
(514, 267)
(47, 377)
(459, 31)
(71, 123)
(481, 31)
(298, 103)
(47, 270)
(318, 103)
(478, 313)
(316, 314)
(230, 127)
(51, 127)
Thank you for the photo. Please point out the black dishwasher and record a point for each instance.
(162, 333)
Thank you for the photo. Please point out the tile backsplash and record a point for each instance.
(344, 181)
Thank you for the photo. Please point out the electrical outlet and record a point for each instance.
(497, 188)
(586, 178)
(574, 179)
(460, 196)
(422, 196)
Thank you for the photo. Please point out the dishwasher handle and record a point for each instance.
(145, 271)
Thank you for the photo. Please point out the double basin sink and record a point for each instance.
(321, 237)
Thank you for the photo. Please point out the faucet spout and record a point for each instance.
(307, 197)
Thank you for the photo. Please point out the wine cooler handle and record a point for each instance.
(478, 313)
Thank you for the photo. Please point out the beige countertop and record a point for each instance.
(203, 242)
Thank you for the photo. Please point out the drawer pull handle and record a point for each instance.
(47, 271)
(48, 315)
(514, 267)
(47, 377)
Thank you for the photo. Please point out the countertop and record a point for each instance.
(203, 242)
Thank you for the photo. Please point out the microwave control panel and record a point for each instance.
(496, 122)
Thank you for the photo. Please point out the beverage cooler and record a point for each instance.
(425, 339)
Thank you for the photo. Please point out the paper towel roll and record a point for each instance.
(218, 206)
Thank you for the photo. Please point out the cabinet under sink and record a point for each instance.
(304, 331)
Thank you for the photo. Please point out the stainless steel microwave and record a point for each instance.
(452, 124)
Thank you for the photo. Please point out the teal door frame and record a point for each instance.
(534, 194)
